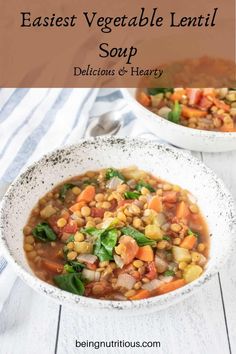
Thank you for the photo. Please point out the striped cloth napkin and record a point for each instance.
(36, 121)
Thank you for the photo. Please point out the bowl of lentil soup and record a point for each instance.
(107, 236)
(201, 119)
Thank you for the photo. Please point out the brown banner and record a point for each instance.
(102, 43)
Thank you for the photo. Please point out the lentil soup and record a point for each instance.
(117, 235)
(199, 108)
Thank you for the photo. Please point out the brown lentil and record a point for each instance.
(201, 247)
(99, 197)
(85, 211)
(175, 227)
(106, 205)
(71, 255)
(137, 285)
(130, 293)
(28, 247)
(138, 263)
(145, 280)
(29, 239)
(194, 208)
(78, 237)
(162, 244)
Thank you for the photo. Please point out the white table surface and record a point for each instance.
(205, 323)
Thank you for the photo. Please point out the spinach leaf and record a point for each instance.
(70, 282)
(64, 190)
(92, 231)
(155, 91)
(167, 238)
(142, 184)
(131, 195)
(44, 232)
(110, 173)
(109, 240)
(174, 115)
(105, 244)
(73, 266)
(139, 237)
(69, 269)
(70, 239)
(169, 273)
(101, 252)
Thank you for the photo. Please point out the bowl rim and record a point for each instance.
(204, 133)
(160, 301)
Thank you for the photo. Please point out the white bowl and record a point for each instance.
(178, 135)
(92, 154)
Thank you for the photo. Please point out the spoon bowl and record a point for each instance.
(108, 123)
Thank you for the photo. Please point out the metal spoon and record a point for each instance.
(108, 123)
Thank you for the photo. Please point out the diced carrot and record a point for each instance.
(177, 95)
(188, 112)
(145, 254)
(53, 266)
(155, 204)
(221, 104)
(189, 242)
(144, 99)
(77, 206)
(182, 210)
(167, 287)
(87, 194)
(141, 294)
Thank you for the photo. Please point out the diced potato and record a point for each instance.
(161, 264)
(181, 254)
(153, 232)
(83, 247)
(156, 99)
(192, 272)
(164, 112)
(48, 211)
